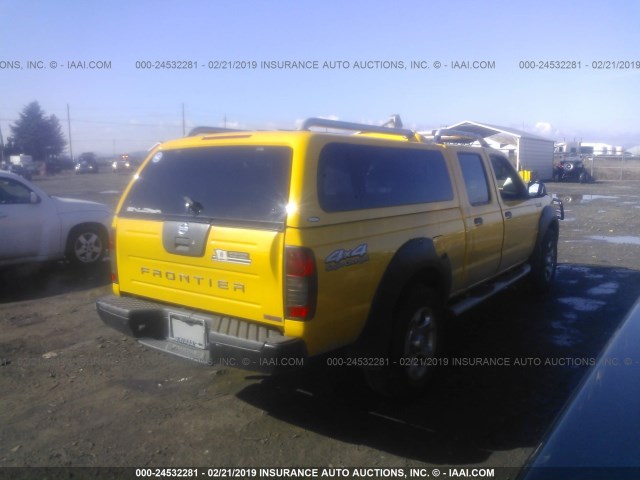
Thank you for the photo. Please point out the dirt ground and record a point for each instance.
(75, 393)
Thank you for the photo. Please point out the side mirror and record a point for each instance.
(34, 198)
(537, 189)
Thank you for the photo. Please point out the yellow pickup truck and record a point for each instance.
(262, 249)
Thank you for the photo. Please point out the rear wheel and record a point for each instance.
(415, 345)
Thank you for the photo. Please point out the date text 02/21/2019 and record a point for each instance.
(579, 65)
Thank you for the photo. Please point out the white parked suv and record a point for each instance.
(36, 227)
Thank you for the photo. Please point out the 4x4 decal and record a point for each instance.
(345, 258)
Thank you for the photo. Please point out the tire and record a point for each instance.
(583, 177)
(545, 261)
(415, 344)
(86, 245)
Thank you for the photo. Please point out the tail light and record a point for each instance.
(301, 283)
(112, 256)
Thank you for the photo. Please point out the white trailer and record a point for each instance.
(21, 160)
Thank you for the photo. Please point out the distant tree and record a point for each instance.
(4, 148)
(56, 141)
(10, 147)
(37, 135)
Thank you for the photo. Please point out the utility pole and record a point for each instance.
(1, 146)
(69, 127)
(184, 130)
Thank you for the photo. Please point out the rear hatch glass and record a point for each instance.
(226, 185)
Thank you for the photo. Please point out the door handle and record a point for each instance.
(478, 221)
(507, 215)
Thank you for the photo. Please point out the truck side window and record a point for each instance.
(357, 177)
(509, 182)
(475, 178)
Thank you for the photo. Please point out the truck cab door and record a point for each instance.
(482, 218)
(519, 210)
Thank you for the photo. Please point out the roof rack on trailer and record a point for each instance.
(356, 127)
(204, 130)
(449, 135)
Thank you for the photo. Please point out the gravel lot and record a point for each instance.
(76, 393)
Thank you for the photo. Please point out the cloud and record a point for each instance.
(544, 128)
(231, 124)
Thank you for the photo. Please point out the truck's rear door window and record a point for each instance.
(354, 177)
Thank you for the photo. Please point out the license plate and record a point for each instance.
(190, 331)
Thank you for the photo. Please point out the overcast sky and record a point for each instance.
(123, 107)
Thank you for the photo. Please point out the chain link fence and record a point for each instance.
(613, 167)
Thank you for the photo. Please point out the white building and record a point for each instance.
(525, 150)
(634, 150)
(587, 148)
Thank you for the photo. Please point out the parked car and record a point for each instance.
(87, 163)
(597, 435)
(16, 169)
(122, 164)
(571, 169)
(36, 227)
(23, 165)
(87, 166)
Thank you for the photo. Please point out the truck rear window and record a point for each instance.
(227, 184)
(354, 177)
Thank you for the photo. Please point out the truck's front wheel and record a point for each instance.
(86, 245)
(544, 261)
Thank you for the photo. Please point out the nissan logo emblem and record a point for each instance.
(183, 228)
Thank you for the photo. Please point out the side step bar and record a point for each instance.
(481, 293)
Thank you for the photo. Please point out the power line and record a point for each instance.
(103, 122)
